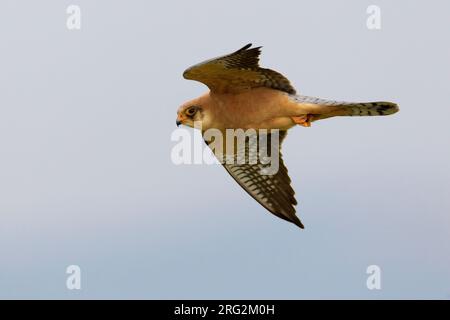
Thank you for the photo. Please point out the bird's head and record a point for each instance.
(193, 111)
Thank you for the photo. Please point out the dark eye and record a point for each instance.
(191, 111)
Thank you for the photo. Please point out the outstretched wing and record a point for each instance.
(237, 72)
(268, 184)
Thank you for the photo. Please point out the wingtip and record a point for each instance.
(187, 73)
(249, 47)
(298, 223)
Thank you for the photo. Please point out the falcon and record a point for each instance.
(242, 95)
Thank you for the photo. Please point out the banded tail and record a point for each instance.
(322, 109)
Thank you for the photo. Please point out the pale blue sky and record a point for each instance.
(86, 176)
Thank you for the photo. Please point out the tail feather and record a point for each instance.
(328, 108)
(380, 108)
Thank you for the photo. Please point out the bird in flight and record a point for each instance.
(242, 95)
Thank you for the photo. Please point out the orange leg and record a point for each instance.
(304, 120)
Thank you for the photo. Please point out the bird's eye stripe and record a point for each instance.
(191, 111)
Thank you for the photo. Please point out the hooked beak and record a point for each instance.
(180, 120)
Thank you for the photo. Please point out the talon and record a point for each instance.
(304, 120)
